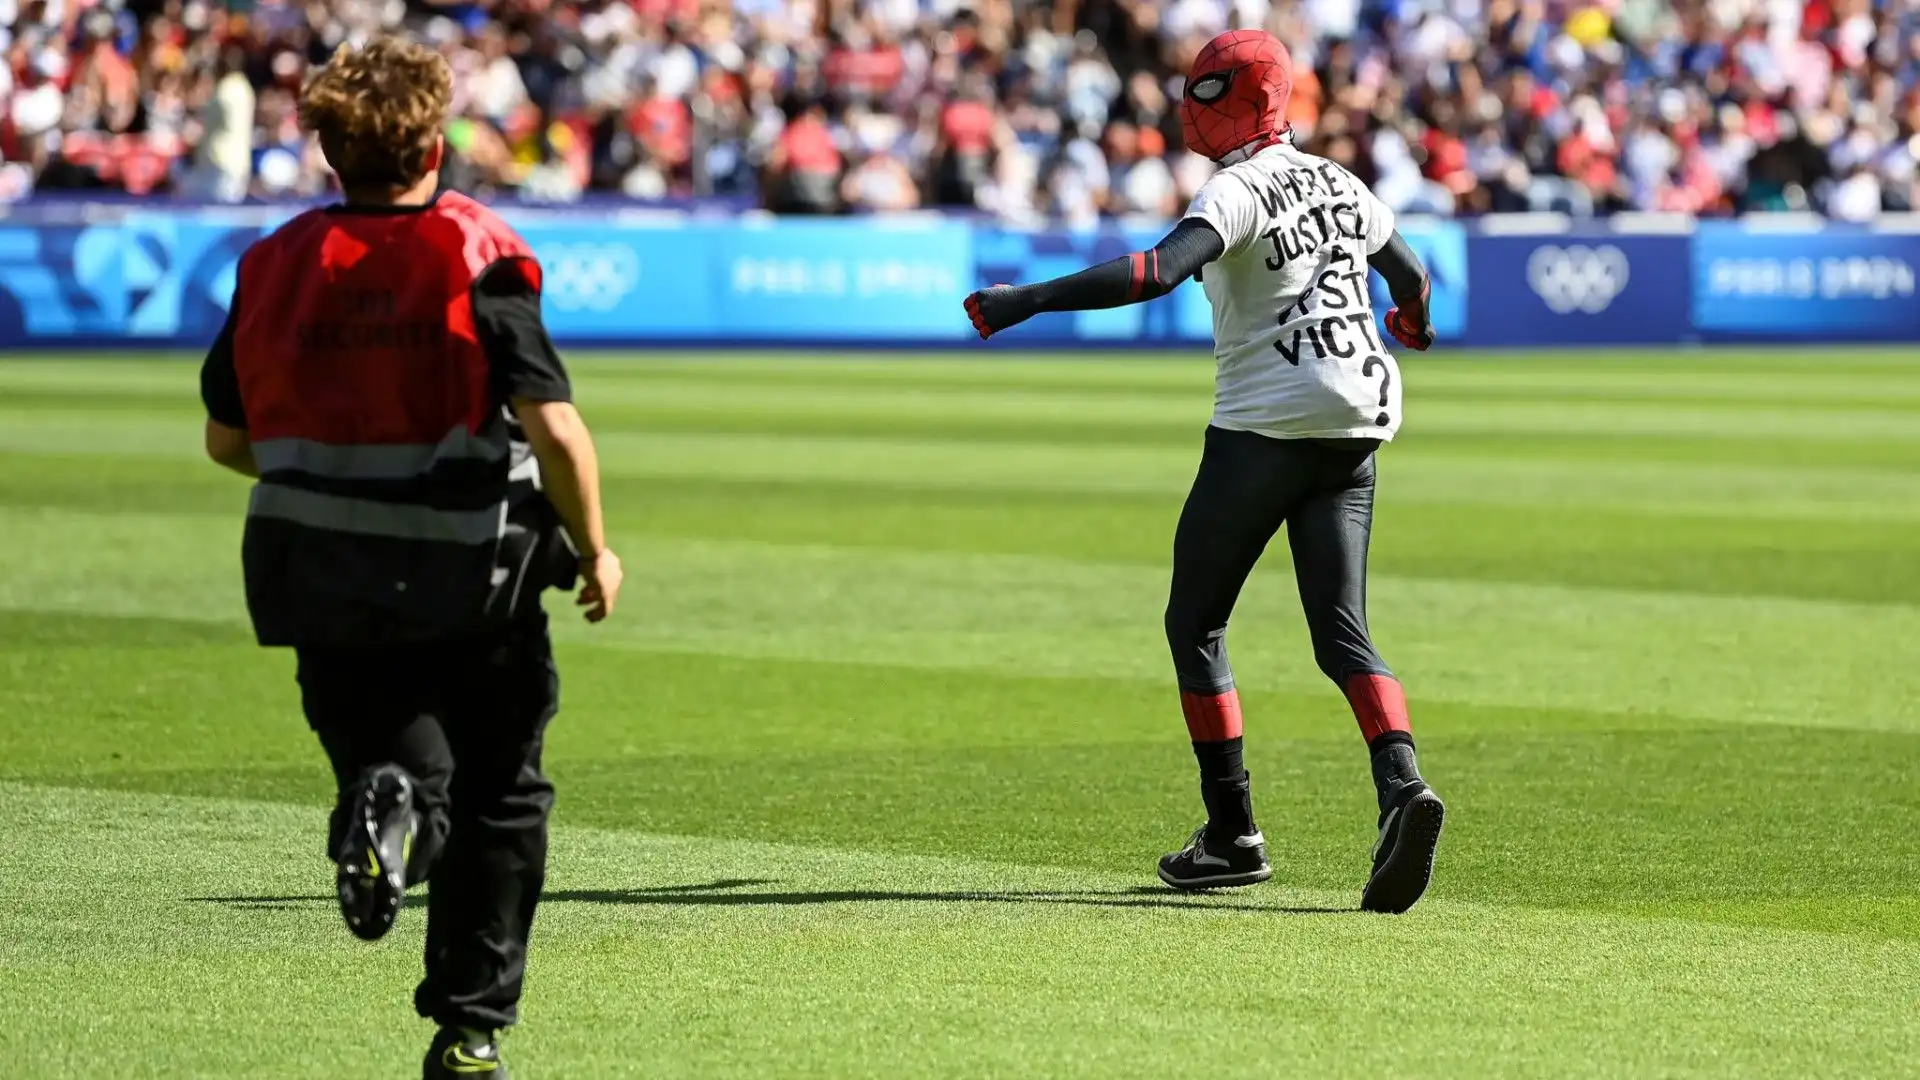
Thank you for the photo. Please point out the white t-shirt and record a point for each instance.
(1299, 353)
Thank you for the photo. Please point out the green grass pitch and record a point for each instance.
(868, 776)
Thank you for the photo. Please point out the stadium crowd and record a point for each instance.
(1027, 110)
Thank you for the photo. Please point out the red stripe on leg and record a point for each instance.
(1379, 704)
(1138, 267)
(1212, 717)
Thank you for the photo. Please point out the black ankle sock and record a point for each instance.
(1224, 788)
(1393, 764)
(1220, 761)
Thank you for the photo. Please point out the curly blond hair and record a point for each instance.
(378, 110)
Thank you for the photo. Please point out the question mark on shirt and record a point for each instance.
(1386, 380)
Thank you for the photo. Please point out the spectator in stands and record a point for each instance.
(1012, 195)
(1079, 182)
(36, 106)
(103, 91)
(1090, 82)
(963, 154)
(662, 126)
(880, 183)
(803, 171)
(224, 160)
(1141, 183)
(489, 80)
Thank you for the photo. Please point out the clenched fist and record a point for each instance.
(995, 309)
(1412, 325)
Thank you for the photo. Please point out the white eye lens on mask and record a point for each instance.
(1209, 88)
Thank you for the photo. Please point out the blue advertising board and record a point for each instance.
(1833, 283)
(1442, 247)
(806, 280)
(1596, 287)
(830, 280)
(596, 280)
(152, 278)
(164, 277)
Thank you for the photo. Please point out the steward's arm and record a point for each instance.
(528, 373)
(226, 436)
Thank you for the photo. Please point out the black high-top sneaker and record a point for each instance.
(1403, 855)
(1211, 864)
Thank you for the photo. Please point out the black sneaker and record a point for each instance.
(459, 1053)
(1403, 856)
(373, 854)
(1242, 861)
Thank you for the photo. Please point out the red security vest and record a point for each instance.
(384, 452)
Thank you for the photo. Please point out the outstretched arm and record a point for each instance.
(1407, 282)
(1129, 279)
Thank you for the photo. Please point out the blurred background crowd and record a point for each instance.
(1024, 110)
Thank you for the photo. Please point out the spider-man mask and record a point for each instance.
(1237, 94)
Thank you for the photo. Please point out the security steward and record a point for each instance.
(422, 475)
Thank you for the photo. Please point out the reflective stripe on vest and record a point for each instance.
(378, 462)
(369, 517)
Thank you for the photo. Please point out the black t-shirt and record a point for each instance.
(521, 359)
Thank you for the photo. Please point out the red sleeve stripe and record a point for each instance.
(1139, 278)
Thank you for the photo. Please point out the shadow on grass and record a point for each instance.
(418, 898)
(725, 893)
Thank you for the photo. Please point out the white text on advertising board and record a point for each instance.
(1857, 277)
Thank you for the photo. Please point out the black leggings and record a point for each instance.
(1248, 485)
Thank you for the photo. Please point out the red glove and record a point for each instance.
(1413, 326)
(993, 310)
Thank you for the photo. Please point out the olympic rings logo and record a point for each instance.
(588, 277)
(1577, 278)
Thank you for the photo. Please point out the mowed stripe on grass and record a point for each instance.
(1694, 657)
(892, 639)
(690, 957)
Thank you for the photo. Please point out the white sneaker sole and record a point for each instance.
(1218, 881)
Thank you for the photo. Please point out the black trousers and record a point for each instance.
(467, 719)
(1247, 487)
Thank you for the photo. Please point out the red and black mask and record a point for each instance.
(1236, 95)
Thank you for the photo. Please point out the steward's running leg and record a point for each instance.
(391, 765)
(1328, 534)
(1244, 490)
(500, 693)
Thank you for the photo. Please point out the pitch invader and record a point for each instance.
(1306, 392)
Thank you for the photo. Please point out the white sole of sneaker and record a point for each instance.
(1218, 881)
